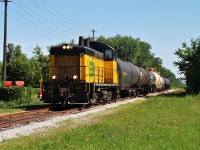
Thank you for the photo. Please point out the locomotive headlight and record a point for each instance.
(75, 77)
(53, 77)
(67, 47)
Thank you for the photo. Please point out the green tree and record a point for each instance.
(189, 64)
(10, 52)
(157, 63)
(145, 56)
(72, 42)
(18, 67)
(37, 62)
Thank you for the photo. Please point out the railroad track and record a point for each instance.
(13, 120)
(22, 118)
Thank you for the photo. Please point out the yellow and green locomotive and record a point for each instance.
(81, 75)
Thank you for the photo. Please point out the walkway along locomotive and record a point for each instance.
(90, 72)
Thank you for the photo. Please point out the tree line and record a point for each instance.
(189, 65)
(20, 67)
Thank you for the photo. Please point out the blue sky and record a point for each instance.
(165, 24)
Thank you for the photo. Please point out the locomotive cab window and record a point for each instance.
(108, 54)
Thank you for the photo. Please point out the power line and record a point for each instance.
(71, 21)
(49, 22)
(46, 11)
(39, 21)
(44, 29)
(33, 29)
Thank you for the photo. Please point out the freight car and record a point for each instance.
(90, 72)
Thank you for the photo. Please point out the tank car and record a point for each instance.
(152, 81)
(157, 85)
(133, 79)
(166, 84)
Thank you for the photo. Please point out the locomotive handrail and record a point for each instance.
(100, 75)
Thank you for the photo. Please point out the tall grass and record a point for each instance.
(169, 122)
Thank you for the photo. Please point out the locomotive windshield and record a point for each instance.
(109, 54)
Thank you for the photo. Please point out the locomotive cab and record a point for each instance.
(110, 63)
(109, 53)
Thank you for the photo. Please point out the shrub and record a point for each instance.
(17, 95)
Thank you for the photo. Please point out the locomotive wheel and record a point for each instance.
(89, 103)
(62, 101)
(109, 96)
(104, 101)
(66, 104)
(132, 94)
(135, 94)
(145, 92)
(118, 95)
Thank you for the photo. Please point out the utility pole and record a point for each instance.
(5, 41)
(93, 33)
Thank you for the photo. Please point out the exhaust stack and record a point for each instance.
(81, 42)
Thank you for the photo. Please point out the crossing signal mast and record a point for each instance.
(5, 40)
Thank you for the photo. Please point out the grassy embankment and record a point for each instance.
(15, 107)
(167, 122)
